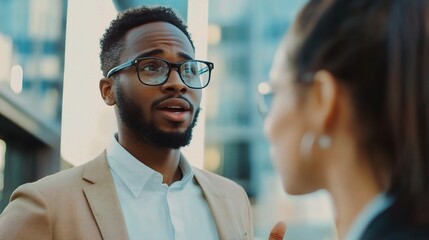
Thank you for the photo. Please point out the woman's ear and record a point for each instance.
(326, 97)
(106, 86)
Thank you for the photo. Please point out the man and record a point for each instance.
(141, 187)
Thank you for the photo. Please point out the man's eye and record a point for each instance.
(151, 68)
(190, 70)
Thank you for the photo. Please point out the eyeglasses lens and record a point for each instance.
(152, 71)
(195, 74)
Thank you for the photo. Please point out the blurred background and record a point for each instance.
(52, 116)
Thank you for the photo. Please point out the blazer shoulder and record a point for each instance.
(402, 220)
(74, 177)
(67, 176)
(219, 184)
(215, 179)
(55, 205)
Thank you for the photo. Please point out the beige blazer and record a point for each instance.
(81, 203)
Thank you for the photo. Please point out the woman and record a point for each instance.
(350, 113)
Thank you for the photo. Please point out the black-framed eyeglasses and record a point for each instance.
(155, 71)
(265, 97)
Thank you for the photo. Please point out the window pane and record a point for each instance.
(243, 37)
(2, 163)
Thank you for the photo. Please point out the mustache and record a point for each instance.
(158, 101)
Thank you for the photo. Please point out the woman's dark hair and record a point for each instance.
(112, 41)
(378, 50)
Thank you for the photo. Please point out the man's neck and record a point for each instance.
(163, 160)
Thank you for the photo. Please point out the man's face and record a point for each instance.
(161, 115)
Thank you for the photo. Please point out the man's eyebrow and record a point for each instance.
(159, 51)
(150, 53)
(185, 56)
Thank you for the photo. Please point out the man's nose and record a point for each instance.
(174, 83)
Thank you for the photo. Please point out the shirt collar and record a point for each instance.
(380, 203)
(135, 175)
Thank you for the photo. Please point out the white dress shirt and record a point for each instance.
(154, 210)
(372, 210)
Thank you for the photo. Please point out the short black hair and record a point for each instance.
(112, 41)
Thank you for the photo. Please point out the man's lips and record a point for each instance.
(174, 105)
(174, 109)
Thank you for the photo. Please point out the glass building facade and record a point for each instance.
(32, 38)
(243, 37)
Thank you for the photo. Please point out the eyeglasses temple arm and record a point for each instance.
(120, 67)
(209, 67)
(204, 70)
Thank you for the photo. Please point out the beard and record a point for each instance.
(132, 116)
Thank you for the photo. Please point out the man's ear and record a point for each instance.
(326, 97)
(107, 91)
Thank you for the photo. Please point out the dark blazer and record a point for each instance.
(403, 220)
(81, 203)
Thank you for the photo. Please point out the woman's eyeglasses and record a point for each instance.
(265, 97)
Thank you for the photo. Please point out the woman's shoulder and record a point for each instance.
(404, 219)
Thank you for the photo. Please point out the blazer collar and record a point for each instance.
(103, 200)
(220, 207)
(105, 206)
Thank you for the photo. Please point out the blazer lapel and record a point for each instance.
(218, 203)
(103, 200)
